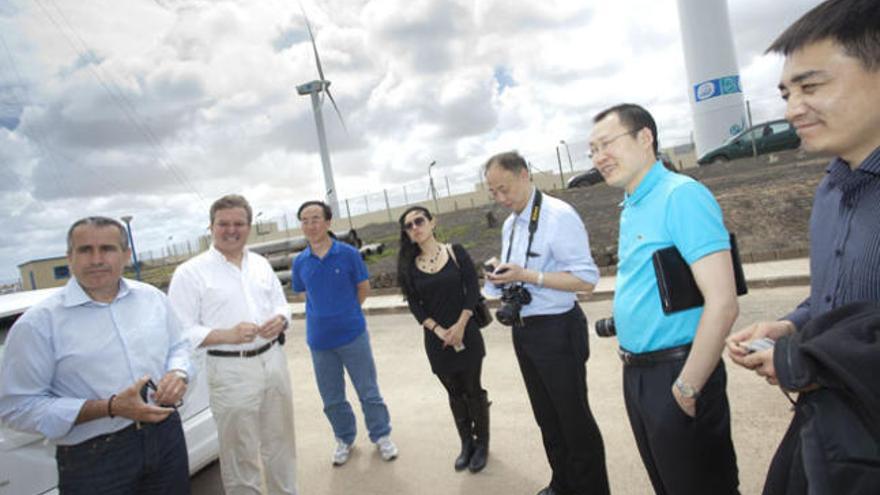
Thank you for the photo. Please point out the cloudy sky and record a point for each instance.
(154, 109)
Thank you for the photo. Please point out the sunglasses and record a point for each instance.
(417, 222)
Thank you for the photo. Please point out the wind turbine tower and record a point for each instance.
(716, 96)
(312, 89)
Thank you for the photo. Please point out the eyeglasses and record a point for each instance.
(603, 145)
(417, 222)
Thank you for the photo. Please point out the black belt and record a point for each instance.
(248, 353)
(654, 357)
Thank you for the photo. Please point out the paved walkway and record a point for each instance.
(765, 274)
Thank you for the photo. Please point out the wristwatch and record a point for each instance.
(182, 375)
(685, 389)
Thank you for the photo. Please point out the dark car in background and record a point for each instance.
(585, 179)
(776, 135)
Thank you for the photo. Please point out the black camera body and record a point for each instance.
(605, 327)
(513, 298)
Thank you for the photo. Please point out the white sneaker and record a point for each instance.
(387, 448)
(343, 451)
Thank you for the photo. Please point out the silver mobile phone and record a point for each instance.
(760, 345)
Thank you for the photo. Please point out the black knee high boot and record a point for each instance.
(464, 425)
(479, 407)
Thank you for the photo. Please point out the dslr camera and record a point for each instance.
(605, 327)
(513, 298)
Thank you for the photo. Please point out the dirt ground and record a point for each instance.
(766, 202)
(424, 431)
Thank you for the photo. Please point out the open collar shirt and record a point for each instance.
(208, 293)
(844, 239)
(561, 244)
(70, 348)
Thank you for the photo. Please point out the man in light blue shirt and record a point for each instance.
(550, 340)
(674, 381)
(75, 366)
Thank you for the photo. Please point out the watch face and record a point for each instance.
(686, 390)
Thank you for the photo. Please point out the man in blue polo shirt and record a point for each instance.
(336, 283)
(674, 381)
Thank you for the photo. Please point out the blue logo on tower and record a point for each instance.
(712, 88)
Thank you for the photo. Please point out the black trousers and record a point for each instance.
(683, 455)
(463, 383)
(552, 352)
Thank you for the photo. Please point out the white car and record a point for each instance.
(27, 461)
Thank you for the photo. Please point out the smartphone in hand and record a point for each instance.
(759, 345)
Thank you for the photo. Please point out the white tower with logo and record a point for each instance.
(714, 87)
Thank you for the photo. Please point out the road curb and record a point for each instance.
(604, 295)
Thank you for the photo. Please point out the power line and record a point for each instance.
(124, 104)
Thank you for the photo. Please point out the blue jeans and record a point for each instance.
(149, 460)
(357, 358)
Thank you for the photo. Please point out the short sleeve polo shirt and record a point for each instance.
(333, 313)
(666, 209)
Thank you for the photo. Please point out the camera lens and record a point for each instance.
(605, 327)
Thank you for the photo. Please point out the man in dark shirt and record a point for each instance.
(831, 83)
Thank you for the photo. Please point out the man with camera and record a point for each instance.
(545, 260)
(674, 381)
(77, 366)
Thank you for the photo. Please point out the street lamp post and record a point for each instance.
(567, 152)
(433, 189)
(137, 266)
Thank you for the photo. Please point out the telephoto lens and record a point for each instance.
(605, 327)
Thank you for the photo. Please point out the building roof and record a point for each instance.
(38, 260)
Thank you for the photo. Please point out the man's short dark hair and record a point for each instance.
(633, 117)
(98, 222)
(854, 24)
(232, 201)
(509, 160)
(328, 212)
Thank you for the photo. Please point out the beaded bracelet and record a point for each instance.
(110, 406)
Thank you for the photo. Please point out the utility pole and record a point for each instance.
(433, 189)
(559, 161)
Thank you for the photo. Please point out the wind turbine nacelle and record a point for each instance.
(312, 87)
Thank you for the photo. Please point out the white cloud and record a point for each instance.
(156, 108)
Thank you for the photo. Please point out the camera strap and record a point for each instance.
(533, 227)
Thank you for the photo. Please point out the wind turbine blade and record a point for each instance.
(314, 46)
(338, 113)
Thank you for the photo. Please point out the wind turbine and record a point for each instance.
(312, 89)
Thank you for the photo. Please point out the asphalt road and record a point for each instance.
(424, 431)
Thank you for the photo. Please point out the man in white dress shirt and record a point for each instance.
(546, 251)
(232, 304)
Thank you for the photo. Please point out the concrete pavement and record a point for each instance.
(424, 431)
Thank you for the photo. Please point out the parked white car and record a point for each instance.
(27, 461)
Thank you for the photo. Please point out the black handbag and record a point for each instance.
(481, 311)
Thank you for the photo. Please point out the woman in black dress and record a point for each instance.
(440, 285)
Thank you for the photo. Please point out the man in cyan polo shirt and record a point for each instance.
(336, 283)
(674, 381)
